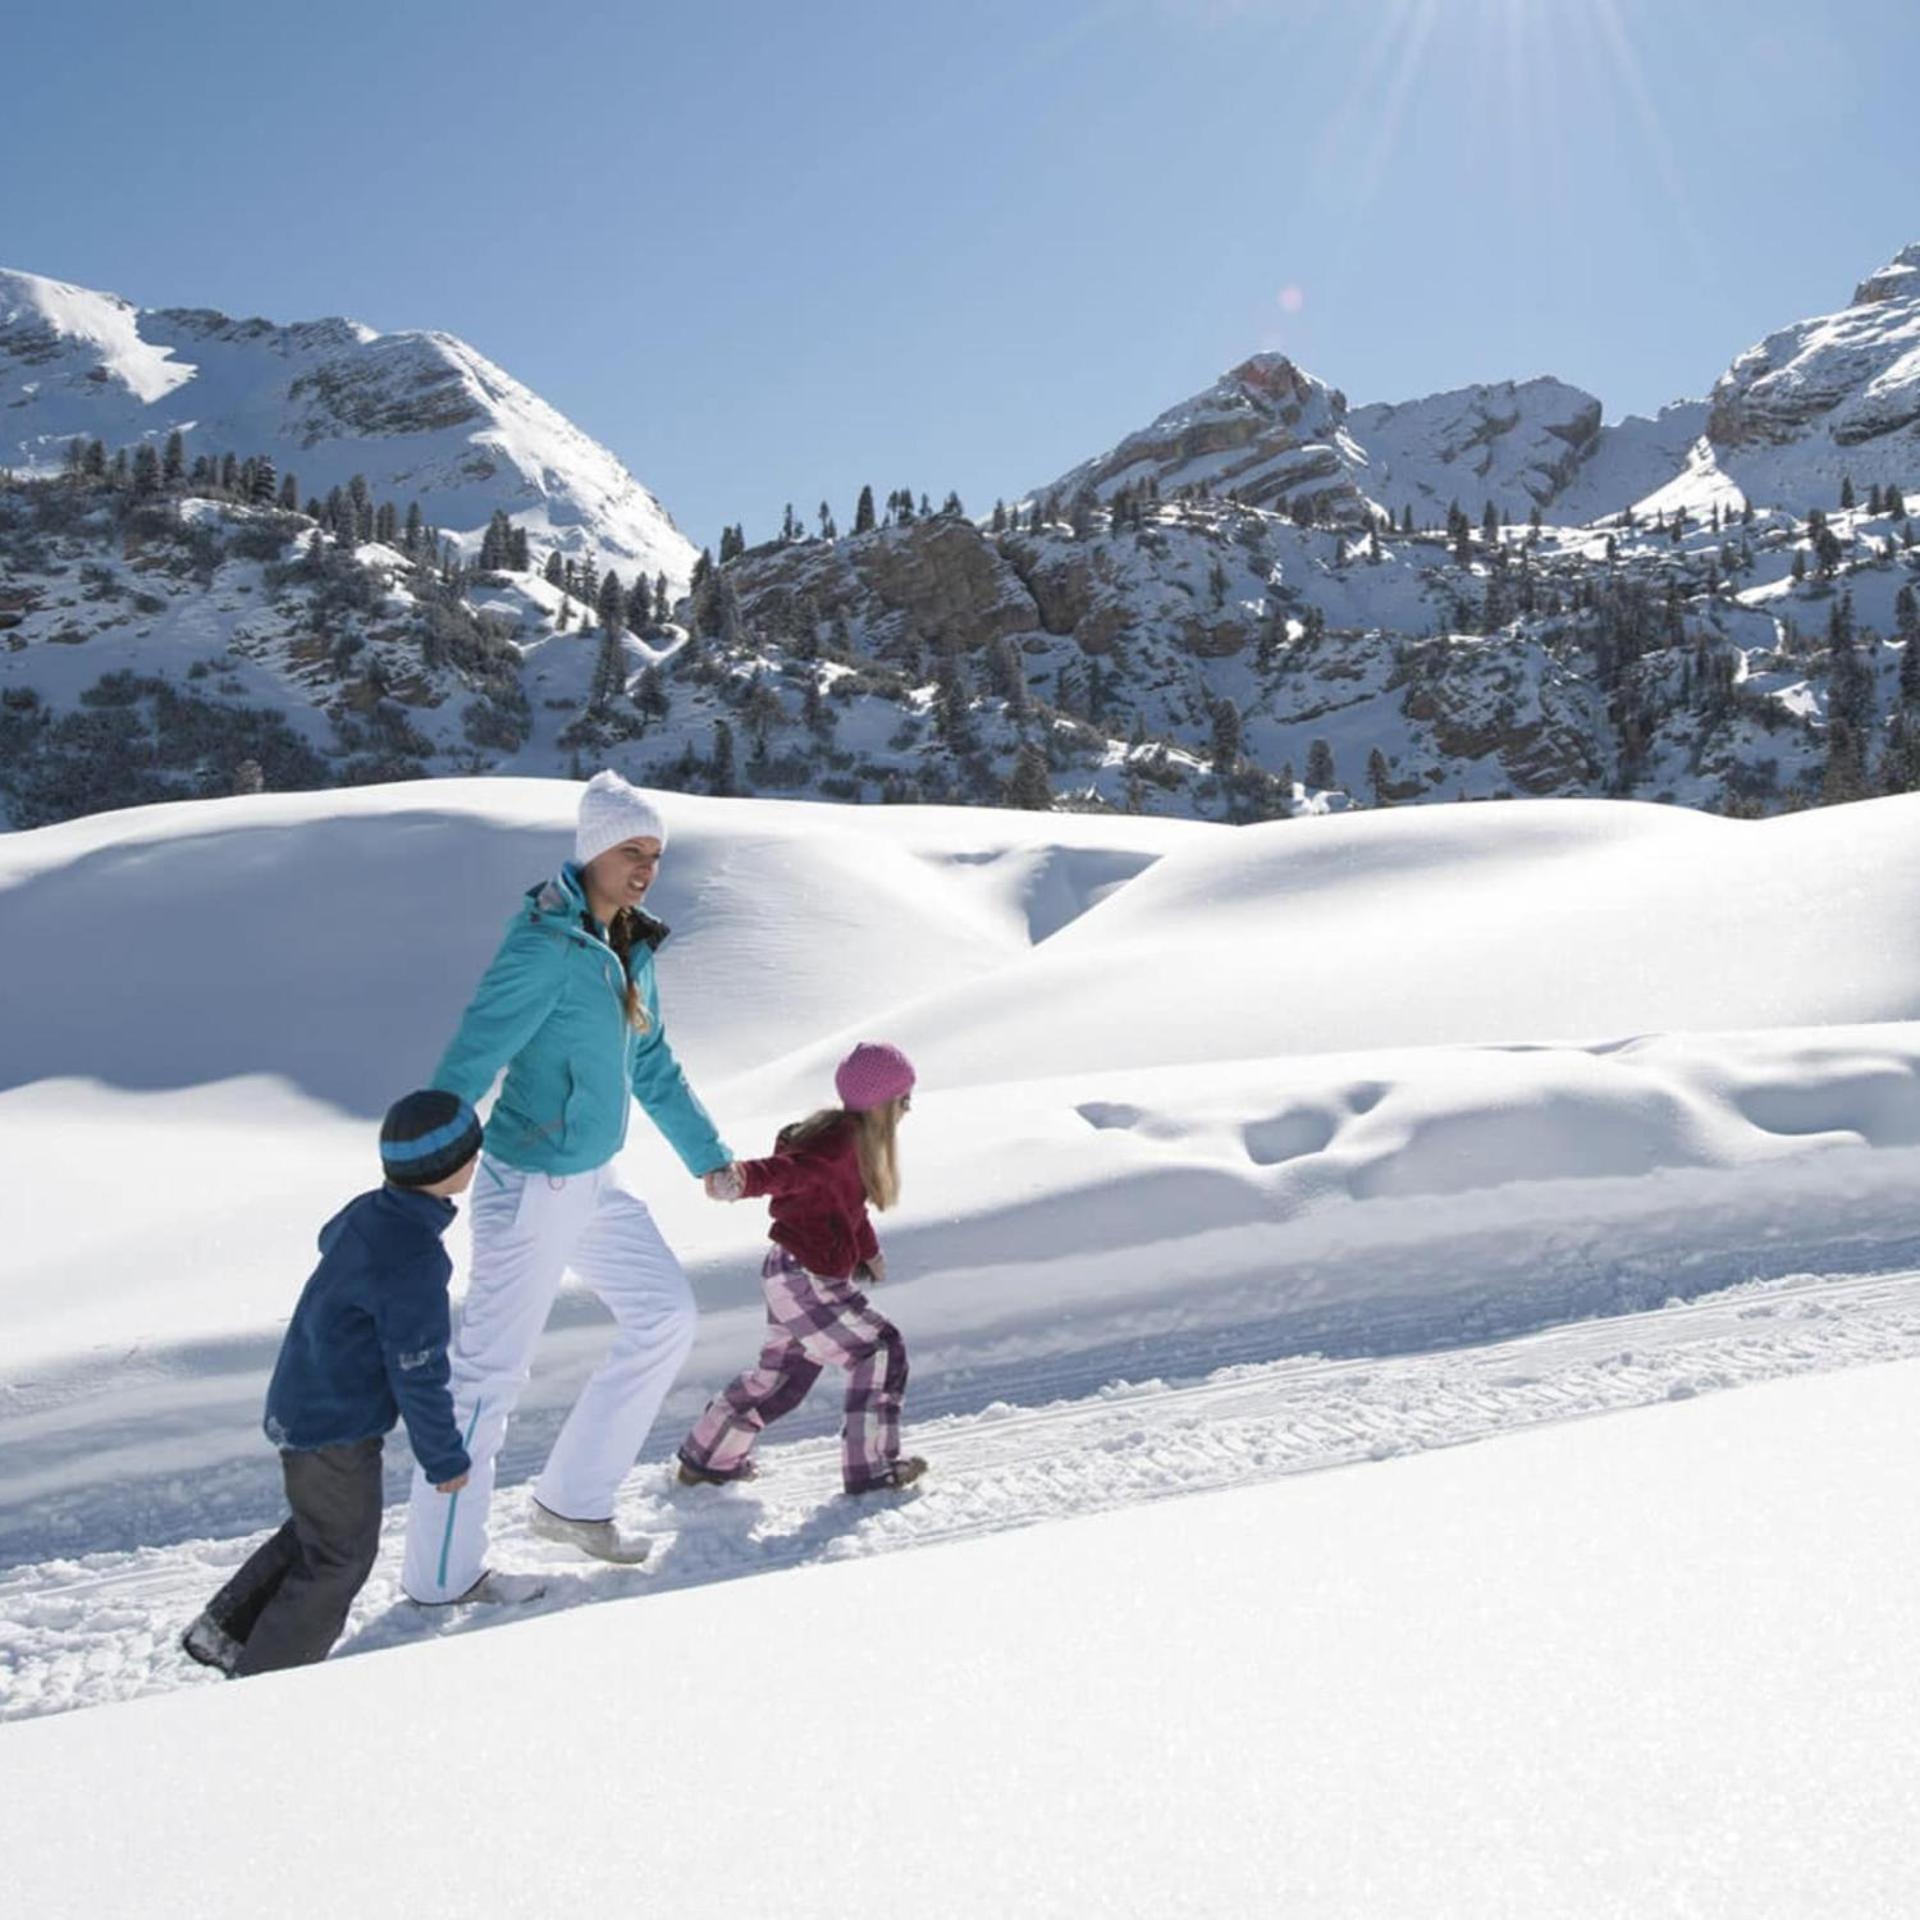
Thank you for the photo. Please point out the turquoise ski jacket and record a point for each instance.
(551, 1010)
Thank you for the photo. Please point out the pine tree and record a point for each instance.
(639, 614)
(1846, 493)
(1906, 614)
(146, 469)
(610, 605)
(519, 551)
(173, 465)
(721, 776)
(290, 495)
(1228, 735)
(1379, 778)
(651, 696)
(953, 706)
(1028, 785)
(1320, 771)
(863, 513)
(386, 524)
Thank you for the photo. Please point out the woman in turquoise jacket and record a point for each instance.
(570, 1009)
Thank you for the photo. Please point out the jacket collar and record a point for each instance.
(431, 1210)
(564, 899)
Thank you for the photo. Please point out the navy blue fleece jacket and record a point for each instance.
(367, 1344)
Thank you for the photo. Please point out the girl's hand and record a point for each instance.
(451, 1486)
(876, 1268)
(724, 1183)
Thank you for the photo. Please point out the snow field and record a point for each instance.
(1630, 1667)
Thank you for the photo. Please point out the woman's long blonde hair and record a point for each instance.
(623, 931)
(876, 1140)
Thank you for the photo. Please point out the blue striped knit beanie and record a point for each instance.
(427, 1137)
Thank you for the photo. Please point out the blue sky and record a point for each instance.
(771, 253)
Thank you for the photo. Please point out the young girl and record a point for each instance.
(821, 1176)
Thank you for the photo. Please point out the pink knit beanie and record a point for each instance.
(871, 1075)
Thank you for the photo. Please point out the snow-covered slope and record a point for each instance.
(1239, 1154)
(1364, 1083)
(1516, 445)
(420, 415)
(1655, 1664)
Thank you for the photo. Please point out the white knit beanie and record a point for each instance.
(611, 811)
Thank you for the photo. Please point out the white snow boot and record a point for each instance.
(496, 1590)
(599, 1538)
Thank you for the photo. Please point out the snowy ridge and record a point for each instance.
(420, 415)
(1825, 398)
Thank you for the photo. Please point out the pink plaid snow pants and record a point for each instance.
(812, 1322)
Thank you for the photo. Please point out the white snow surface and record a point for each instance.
(420, 414)
(1239, 1154)
(1656, 1665)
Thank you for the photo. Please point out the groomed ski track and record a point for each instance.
(88, 1627)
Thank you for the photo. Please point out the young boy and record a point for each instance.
(367, 1345)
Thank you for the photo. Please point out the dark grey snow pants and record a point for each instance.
(286, 1606)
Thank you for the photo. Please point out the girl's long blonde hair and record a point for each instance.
(876, 1140)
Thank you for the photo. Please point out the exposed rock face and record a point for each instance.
(1899, 279)
(1834, 396)
(1508, 701)
(938, 581)
(1267, 432)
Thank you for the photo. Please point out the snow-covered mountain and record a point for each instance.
(1266, 433)
(1823, 400)
(1830, 398)
(421, 416)
(1226, 616)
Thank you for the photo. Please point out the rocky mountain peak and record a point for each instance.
(1899, 279)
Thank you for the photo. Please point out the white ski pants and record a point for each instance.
(528, 1229)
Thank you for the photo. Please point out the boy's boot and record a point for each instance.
(208, 1642)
